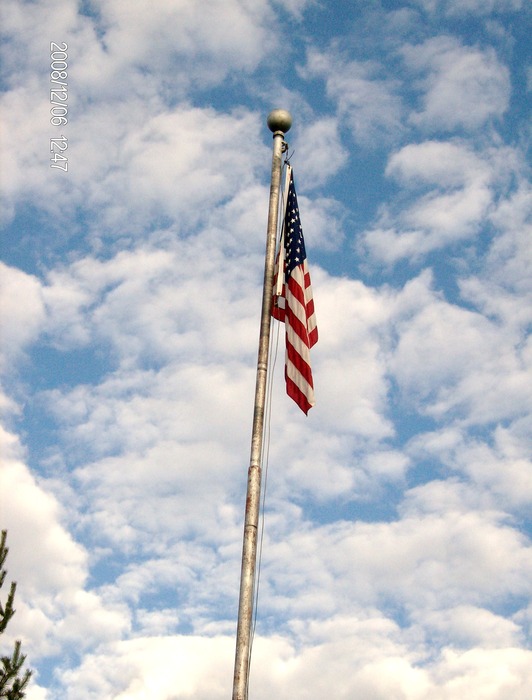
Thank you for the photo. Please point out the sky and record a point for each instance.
(396, 560)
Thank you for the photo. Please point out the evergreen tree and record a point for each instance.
(12, 685)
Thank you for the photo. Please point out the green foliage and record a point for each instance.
(12, 685)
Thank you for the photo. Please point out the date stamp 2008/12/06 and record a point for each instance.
(59, 102)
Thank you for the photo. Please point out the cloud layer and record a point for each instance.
(396, 560)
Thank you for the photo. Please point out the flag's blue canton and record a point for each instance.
(295, 245)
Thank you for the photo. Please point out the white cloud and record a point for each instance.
(462, 186)
(355, 656)
(236, 35)
(453, 8)
(453, 212)
(422, 562)
(139, 166)
(94, 300)
(449, 164)
(469, 626)
(454, 360)
(495, 674)
(28, 122)
(319, 151)
(115, 45)
(499, 469)
(351, 389)
(368, 102)
(155, 667)
(510, 256)
(463, 87)
(22, 312)
(29, 28)
(51, 569)
(127, 150)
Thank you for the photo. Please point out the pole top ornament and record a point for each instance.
(279, 120)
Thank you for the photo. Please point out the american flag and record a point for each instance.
(293, 304)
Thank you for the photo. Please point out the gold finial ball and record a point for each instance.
(279, 120)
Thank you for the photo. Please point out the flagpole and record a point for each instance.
(279, 121)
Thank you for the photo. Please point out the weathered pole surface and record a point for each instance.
(279, 121)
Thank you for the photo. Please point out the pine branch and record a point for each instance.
(7, 612)
(12, 686)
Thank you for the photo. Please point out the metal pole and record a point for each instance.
(279, 121)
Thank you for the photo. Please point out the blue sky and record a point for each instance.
(396, 561)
